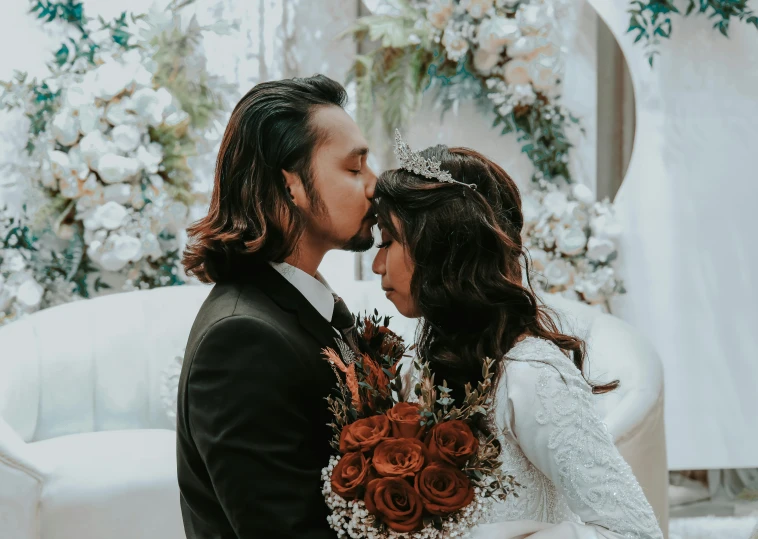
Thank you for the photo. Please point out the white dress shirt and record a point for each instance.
(316, 291)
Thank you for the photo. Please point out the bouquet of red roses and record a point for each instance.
(407, 469)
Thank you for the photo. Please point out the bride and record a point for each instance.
(451, 253)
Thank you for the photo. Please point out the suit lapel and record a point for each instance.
(289, 298)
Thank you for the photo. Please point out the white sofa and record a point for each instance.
(87, 448)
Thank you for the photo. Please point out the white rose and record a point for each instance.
(14, 262)
(60, 165)
(109, 216)
(478, 8)
(118, 192)
(126, 137)
(523, 94)
(517, 72)
(146, 103)
(69, 187)
(79, 166)
(533, 19)
(117, 251)
(559, 273)
(150, 157)
(117, 113)
(165, 99)
(111, 79)
(93, 146)
(596, 286)
(90, 119)
(135, 64)
(455, 45)
(527, 46)
(571, 241)
(115, 168)
(497, 32)
(555, 202)
(531, 209)
(65, 127)
(573, 214)
(582, 193)
(605, 226)
(485, 60)
(600, 249)
(545, 73)
(29, 294)
(77, 96)
(439, 12)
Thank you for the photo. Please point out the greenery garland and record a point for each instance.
(651, 19)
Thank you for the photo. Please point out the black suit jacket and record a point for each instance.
(252, 434)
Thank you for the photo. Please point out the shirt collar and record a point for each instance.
(314, 289)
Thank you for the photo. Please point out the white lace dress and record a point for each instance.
(575, 482)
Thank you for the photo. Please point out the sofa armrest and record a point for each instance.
(20, 487)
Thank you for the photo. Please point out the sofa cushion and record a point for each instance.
(97, 483)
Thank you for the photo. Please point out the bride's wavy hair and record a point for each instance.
(471, 279)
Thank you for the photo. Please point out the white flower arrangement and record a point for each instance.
(350, 518)
(510, 54)
(109, 189)
(572, 242)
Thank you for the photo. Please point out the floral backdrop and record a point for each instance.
(107, 179)
(120, 134)
(509, 59)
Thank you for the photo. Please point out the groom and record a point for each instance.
(291, 184)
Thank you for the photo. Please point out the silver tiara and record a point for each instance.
(416, 163)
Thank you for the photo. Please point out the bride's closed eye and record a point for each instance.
(384, 244)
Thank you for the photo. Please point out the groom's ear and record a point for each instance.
(295, 188)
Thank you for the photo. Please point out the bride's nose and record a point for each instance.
(378, 266)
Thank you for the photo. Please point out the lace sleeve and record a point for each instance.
(557, 428)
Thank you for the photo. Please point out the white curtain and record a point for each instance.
(688, 252)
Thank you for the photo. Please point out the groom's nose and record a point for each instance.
(370, 183)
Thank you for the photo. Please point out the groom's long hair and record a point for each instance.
(252, 218)
(471, 277)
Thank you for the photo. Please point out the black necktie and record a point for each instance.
(344, 322)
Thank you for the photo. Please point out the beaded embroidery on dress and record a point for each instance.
(559, 450)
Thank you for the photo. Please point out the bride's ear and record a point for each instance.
(294, 185)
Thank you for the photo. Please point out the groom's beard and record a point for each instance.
(363, 240)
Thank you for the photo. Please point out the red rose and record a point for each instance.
(395, 502)
(350, 474)
(452, 442)
(405, 420)
(403, 457)
(444, 489)
(365, 434)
